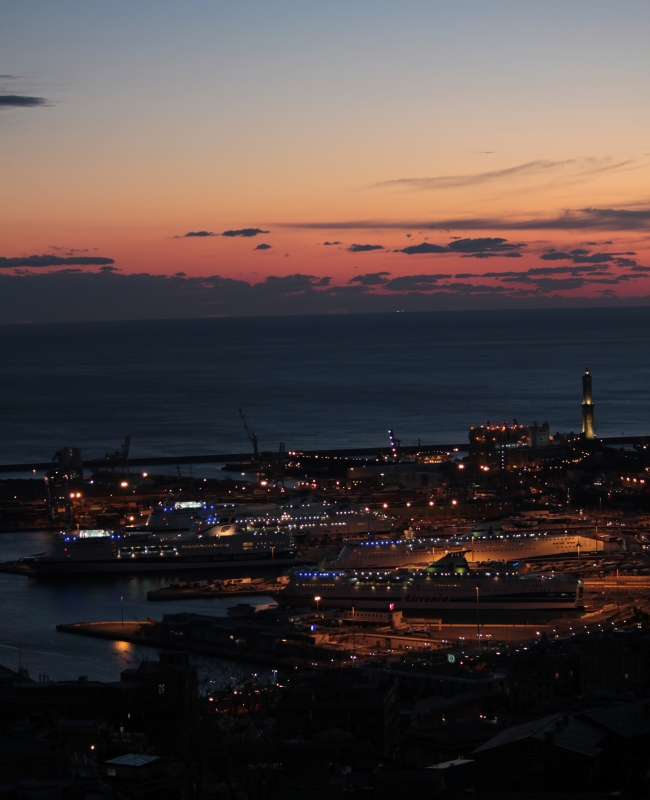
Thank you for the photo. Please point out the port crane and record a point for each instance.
(251, 436)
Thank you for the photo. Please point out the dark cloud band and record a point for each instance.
(53, 261)
(21, 101)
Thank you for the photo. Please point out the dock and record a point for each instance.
(229, 587)
(340, 452)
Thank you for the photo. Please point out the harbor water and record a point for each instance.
(339, 381)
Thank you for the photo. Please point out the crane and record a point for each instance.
(251, 436)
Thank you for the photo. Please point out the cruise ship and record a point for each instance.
(104, 551)
(300, 516)
(480, 545)
(338, 519)
(447, 585)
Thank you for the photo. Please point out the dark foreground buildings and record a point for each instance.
(566, 719)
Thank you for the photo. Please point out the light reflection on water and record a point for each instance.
(32, 609)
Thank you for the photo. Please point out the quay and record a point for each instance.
(298, 637)
(223, 458)
(327, 453)
(228, 587)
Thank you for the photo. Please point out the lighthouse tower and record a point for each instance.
(587, 407)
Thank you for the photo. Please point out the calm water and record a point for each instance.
(175, 386)
(32, 609)
(325, 381)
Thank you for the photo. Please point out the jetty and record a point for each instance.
(228, 587)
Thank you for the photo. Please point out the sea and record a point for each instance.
(176, 387)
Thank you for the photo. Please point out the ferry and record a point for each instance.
(301, 516)
(487, 541)
(83, 552)
(448, 585)
(338, 519)
(482, 544)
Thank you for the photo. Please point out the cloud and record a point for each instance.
(474, 288)
(21, 101)
(423, 248)
(371, 279)
(469, 248)
(245, 232)
(483, 246)
(554, 284)
(199, 234)
(410, 283)
(492, 255)
(605, 219)
(329, 244)
(545, 279)
(348, 291)
(52, 261)
(58, 296)
(262, 246)
(107, 268)
(578, 270)
(289, 284)
(364, 248)
(582, 256)
(577, 167)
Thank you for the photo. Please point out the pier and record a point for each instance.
(224, 458)
(340, 452)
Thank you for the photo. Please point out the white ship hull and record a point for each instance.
(508, 548)
(421, 591)
(96, 552)
(527, 547)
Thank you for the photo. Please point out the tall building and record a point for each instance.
(588, 426)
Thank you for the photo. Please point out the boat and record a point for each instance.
(338, 519)
(303, 515)
(447, 585)
(174, 516)
(489, 542)
(84, 552)
(483, 543)
(386, 554)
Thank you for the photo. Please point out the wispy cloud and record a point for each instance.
(364, 248)
(262, 246)
(488, 247)
(411, 283)
(21, 101)
(371, 279)
(581, 256)
(573, 167)
(245, 232)
(52, 261)
(604, 219)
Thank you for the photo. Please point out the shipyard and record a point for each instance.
(449, 594)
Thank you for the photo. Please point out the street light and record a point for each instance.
(478, 624)
(317, 599)
(122, 608)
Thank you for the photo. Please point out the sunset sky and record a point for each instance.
(429, 151)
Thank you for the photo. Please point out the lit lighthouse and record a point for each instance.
(587, 407)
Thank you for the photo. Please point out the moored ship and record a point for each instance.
(479, 546)
(447, 585)
(84, 552)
